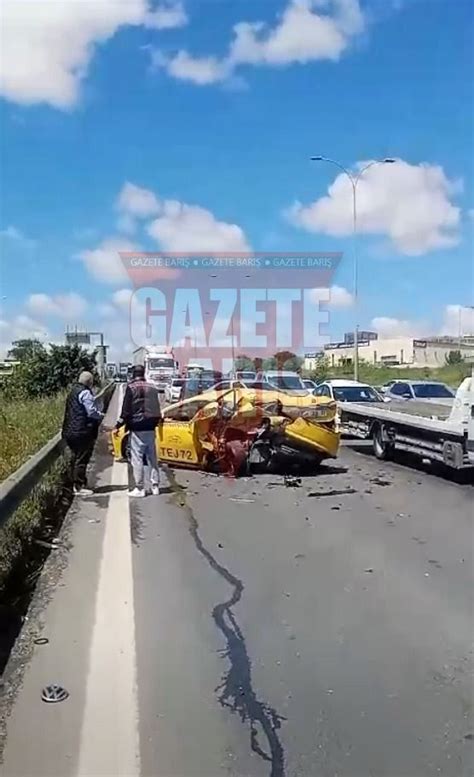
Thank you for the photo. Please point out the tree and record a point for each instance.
(25, 349)
(244, 362)
(46, 373)
(286, 360)
(454, 357)
(321, 369)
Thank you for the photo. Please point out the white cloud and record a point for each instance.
(179, 226)
(104, 262)
(339, 297)
(135, 201)
(65, 306)
(167, 16)
(302, 34)
(21, 327)
(200, 70)
(307, 30)
(182, 227)
(411, 204)
(48, 47)
(458, 319)
(396, 327)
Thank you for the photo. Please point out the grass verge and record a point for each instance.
(39, 517)
(25, 426)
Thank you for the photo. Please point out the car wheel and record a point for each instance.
(382, 448)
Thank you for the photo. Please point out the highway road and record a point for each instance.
(249, 629)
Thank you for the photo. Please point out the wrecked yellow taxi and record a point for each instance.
(241, 431)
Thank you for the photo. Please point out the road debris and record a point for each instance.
(332, 492)
(292, 482)
(381, 482)
(52, 694)
(240, 499)
(41, 641)
(369, 569)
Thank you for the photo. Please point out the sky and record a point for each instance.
(189, 126)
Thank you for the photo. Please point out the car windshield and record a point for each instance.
(245, 376)
(432, 391)
(161, 363)
(355, 394)
(286, 382)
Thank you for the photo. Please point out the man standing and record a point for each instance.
(141, 414)
(81, 423)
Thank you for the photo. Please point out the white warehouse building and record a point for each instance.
(400, 351)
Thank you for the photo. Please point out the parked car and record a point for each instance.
(244, 375)
(348, 391)
(309, 384)
(196, 385)
(283, 380)
(173, 390)
(422, 390)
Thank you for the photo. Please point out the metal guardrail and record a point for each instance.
(17, 487)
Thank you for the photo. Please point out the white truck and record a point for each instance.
(433, 432)
(159, 362)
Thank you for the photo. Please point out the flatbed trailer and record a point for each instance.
(430, 431)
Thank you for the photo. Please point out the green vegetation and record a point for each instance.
(38, 518)
(282, 360)
(25, 426)
(44, 372)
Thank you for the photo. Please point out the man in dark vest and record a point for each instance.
(80, 428)
(141, 414)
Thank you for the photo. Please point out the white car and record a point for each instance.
(348, 391)
(309, 384)
(173, 390)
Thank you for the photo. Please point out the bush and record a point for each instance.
(44, 372)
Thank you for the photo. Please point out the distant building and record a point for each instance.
(400, 351)
(311, 360)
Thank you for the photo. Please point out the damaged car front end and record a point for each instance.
(240, 431)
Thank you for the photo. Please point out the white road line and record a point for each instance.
(109, 736)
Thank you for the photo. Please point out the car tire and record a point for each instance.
(383, 449)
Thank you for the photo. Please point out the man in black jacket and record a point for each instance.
(81, 423)
(141, 414)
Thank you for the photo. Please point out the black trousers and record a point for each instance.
(81, 451)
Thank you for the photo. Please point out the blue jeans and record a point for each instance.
(143, 448)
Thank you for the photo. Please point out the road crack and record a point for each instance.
(236, 691)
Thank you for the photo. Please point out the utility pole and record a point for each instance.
(354, 180)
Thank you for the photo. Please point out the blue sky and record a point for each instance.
(226, 128)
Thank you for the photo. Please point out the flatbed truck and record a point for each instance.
(437, 433)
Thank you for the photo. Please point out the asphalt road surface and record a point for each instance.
(250, 629)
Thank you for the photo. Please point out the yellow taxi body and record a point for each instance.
(185, 437)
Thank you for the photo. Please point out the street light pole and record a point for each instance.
(354, 180)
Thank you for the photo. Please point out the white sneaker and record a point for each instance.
(83, 491)
(140, 492)
(155, 489)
